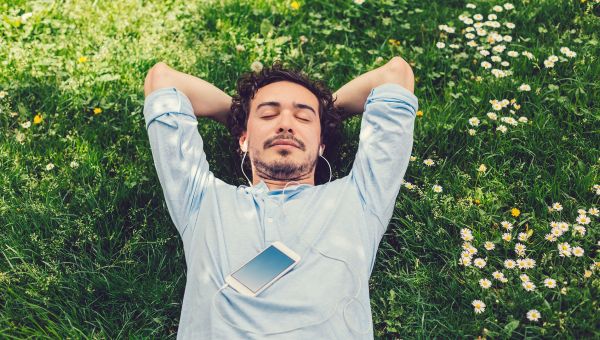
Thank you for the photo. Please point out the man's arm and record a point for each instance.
(353, 95)
(207, 100)
(386, 136)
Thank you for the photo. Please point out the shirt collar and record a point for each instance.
(262, 188)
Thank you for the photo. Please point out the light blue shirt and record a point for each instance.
(336, 228)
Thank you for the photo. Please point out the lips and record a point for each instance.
(285, 142)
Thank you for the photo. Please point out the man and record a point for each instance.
(277, 117)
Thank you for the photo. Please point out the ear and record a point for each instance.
(244, 141)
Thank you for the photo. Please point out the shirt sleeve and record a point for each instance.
(385, 145)
(177, 149)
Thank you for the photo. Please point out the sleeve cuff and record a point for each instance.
(166, 100)
(393, 90)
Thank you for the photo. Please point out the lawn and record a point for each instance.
(495, 232)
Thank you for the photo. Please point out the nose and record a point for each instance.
(285, 123)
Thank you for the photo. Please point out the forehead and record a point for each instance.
(285, 92)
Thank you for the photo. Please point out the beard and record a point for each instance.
(284, 169)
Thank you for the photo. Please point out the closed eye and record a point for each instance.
(271, 116)
(302, 116)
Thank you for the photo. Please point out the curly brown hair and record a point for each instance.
(330, 115)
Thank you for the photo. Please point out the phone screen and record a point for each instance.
(263, 268)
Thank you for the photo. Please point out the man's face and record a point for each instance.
(283, 112)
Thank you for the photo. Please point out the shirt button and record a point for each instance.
(270, 220)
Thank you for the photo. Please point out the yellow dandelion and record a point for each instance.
(394, 42)
(37, 119)
(82, 59)
(419, 113)
(295, 5)
(515, 212)
(97, 110)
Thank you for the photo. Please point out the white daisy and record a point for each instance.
(479, 306)
(579, 229)
(492, 115)
(523, 237)
(564, 249)
(524, 87)
(479, 262)
(577, 251)
(466, 234)
(485, 283)
(489, 245)
(583, 219)
(550, 283)
(533, 315)
(528, 285)
(474, 121)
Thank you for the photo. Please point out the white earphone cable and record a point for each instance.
(244, 173)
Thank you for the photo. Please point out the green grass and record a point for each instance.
(91, 251)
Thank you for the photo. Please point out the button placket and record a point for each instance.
(268, 221)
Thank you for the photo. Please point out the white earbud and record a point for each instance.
(320, 151)
(245, 146)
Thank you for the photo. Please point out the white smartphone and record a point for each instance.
(263, 270)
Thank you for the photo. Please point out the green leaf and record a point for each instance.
(22, 109)
(108, 77)
(511, 326)
(281, 40)
(265, 27)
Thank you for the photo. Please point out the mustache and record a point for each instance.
(270, 141)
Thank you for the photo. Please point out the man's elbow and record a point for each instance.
(156, 78)
(399, 72)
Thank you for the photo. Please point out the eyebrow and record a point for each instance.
(277, 104)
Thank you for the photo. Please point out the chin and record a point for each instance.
(283, 153)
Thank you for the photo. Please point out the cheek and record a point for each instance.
(316, 136)
(256, 132)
